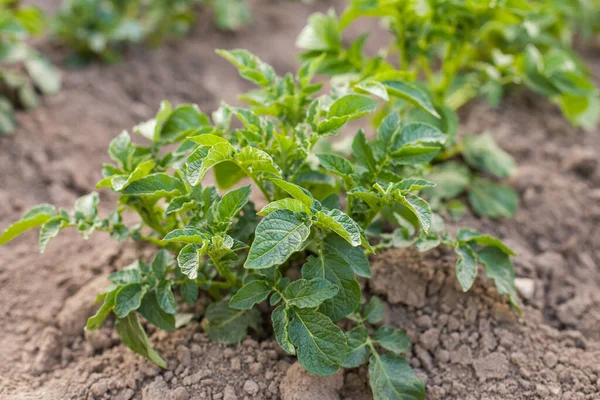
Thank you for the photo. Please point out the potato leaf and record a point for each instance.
(321, 346)
(392, 378)
(250, 294)
(133, 336)
(309, 293)
(278, 236)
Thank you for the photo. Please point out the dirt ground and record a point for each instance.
(466, 346)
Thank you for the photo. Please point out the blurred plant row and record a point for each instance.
(90, 29)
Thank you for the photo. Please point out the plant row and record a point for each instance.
(89, 29)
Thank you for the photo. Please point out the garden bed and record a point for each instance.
(465, 346)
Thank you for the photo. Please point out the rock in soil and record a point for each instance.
(299, 385)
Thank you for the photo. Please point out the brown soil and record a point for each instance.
(466, 346)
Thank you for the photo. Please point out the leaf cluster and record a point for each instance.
(101, 29)
(302, 254)
(24, 73)
(452, 52)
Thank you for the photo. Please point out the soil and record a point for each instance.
(466, 346)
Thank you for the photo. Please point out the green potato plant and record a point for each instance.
(101, 29)
(453, 52)
(23, 71)
(323, 215)
(583, 15)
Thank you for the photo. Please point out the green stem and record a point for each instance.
(451, 152)
(154, 241)
(262, 189)
(427, 70)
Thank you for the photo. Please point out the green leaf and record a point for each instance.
(363, 152)
(413, 154)
(188, 234)
(277, 237)
(227, 174)
(160, 264)
(128, 299)
(320, 33)
(250, 294)
(50, 230)
(165, 297)
(249, 118)
(392, 339)
(36, 216)
(482, 153)
(133, 336)
(189, 259)
(359, 351)
(450, 178)
(121, 150)
(181, 122)
(581, 111)
(352, 106)
(255, 162)
(227, 325)
(200, 161)
(305, 293)
(389, 129)
(493, 200)
(43, 74)
(411, 93)
(419, 133)
(392, 378)
(86, 207)
(340, 223)
(373, 87)
(499, 268)
(471, 235)
(40, 209)
(163, 114)
(232, 14)
(250, 66)
(466, 266)
(413, 184)
(95, 322)
(285, 204)
(153, 312)
(232, 202)
(354, 256)
(280, 318)
(419, 207)
(336, 164)
(295, 191)
(189, 291)
(159, 184)
(126, 276)
(337, 271)
(320, 345)
(427, 242)
(417, 143)
(374, 310)
(118, 182)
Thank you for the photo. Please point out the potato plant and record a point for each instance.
(23, 71)
(453, 52)
(302, 254)
(93, 28)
